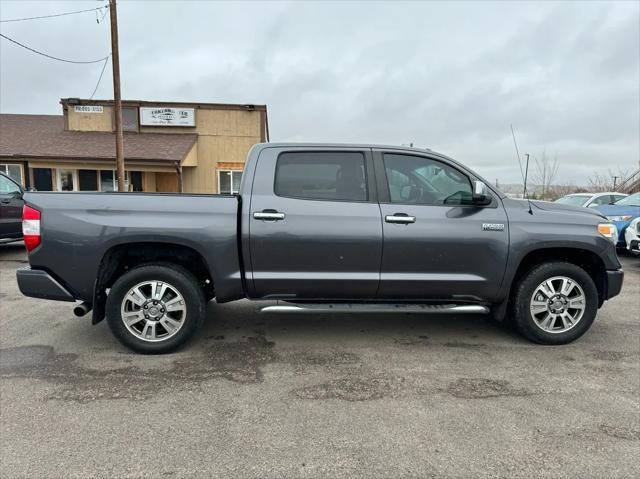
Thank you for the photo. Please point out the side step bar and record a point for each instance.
(376, 308)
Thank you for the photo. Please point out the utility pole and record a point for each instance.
(117, 101)
(615, 182)
(526, 174)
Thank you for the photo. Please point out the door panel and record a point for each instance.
(439, 251)
(314, 248)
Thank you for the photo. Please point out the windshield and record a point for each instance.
(633, 200)
(574, 200)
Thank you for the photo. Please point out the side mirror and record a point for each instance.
(480, 196)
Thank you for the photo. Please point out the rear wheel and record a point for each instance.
(155, 308)
(554, 303)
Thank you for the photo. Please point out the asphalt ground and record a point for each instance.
(317, 396)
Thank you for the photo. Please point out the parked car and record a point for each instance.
(323, 228)
(632, 236)
(621, 213)
(10, 210)
(591, 200)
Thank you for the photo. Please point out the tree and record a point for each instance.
(544, 172)
(607, 181)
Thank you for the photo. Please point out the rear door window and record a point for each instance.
(338, 176)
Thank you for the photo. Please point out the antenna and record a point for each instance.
(523, 174)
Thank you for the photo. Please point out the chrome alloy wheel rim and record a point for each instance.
(153, 311)
(557, 304)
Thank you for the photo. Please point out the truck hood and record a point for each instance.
(548, 206)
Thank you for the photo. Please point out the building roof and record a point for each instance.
(44, 136)
(207, 106)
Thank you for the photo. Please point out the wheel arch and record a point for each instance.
(586, 259)
(122, 257)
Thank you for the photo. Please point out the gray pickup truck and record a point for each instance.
(322, 228)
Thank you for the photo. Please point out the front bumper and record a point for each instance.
(39, 284)
(614, 283)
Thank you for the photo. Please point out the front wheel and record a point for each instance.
(155, 308)
(554, 303)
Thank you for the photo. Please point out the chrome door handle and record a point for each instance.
(268, 215)
(400, 218)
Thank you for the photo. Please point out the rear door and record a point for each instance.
(436, 245)
(315, 227)
(10, 208)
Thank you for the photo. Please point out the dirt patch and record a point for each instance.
(302, 360)
(620, 432)
(464, 345)
(609, 355)
(480, 388)
(409, 341)
(239, 361)
(348, 389)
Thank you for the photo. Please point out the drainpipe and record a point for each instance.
(179, 172)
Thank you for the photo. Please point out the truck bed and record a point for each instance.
(78, 229)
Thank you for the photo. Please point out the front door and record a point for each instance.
(436, 244)
(315, 232)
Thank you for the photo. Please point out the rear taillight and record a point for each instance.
(31, 227)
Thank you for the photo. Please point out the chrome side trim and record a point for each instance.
(376, 308)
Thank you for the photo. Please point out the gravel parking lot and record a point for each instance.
(317, 396)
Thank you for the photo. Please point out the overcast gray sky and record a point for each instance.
(451, 76)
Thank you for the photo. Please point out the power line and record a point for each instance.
(55, 15)
(99, 78)
(50, 56)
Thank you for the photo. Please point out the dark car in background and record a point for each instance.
(10, 209)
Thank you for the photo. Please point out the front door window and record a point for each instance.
(423, 181)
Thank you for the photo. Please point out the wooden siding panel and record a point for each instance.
(167, 182)
(90, 121)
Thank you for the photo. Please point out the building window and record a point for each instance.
(66, 180)
(229, 182)
(42, 179)
(136, 180)
(88, 180)
(130, 119)
(13, 171)
(109, 181)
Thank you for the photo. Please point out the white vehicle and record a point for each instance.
(632, 236)
(591, 200)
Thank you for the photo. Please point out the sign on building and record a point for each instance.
(89, 109)
(167, 116)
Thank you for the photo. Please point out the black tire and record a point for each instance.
(522, 318)
(179, 279)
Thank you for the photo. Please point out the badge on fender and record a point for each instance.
(492, 226)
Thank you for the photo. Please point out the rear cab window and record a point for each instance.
(329, 176)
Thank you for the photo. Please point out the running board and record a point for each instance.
(376, 308)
